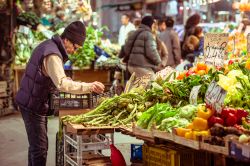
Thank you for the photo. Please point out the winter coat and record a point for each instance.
(143, 49)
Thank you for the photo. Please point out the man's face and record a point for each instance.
(162, 26)
(70, 47)
(124, 20)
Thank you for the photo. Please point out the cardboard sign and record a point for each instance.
(165, 72)
(24, 29)
(215, 96)
(134, 82)
(194, 94)
(215, 48)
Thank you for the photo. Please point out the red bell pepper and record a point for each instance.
(231, 119)
(240, 114)
(213, 119)
(230, 62)
(225, 112)
(190, 72)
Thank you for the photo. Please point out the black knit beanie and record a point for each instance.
(75, 32)
(148, 20)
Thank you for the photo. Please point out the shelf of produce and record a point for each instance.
(85, 75)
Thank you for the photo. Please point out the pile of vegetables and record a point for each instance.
(25, 43)
(86, 54)
(28, 18)
(116, 111)
(165, 105)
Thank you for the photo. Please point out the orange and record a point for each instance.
(201, 66)
(181, 75)
(201, 72)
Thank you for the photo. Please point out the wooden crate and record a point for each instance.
(3, 86)
(214, 148)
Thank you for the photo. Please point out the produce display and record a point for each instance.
(25, 41)
(119, 110)
(86, 54)
(237, 45)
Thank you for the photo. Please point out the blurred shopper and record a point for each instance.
(162, 25)
(161, 47)
(43, 74)
(191, 23)
(198, 32)
(190, 46)
(171, 40)
(126, 27)
(140, 50)
(186, 64)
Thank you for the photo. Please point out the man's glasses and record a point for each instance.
(76, 47)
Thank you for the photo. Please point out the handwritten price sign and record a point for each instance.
(194, 95)
(214, 48)
(215, 96)
(165, 72)
(134, 82)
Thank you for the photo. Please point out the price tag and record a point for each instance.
(165, 72)
(215, 96)
(138, 82)
(194, 95)
(24, 29)
(215, 48)
(246, 152)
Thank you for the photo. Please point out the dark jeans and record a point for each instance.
(36, 128)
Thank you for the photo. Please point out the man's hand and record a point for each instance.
(97, 87)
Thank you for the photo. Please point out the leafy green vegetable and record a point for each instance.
(86, 54)
(188, 112)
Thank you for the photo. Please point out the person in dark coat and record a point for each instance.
(144, 57)
(44, 73)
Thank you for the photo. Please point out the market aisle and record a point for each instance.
(14, 144)
(13, 141)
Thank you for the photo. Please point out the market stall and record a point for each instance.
(201, 113)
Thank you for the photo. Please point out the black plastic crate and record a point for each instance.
(62, 100)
